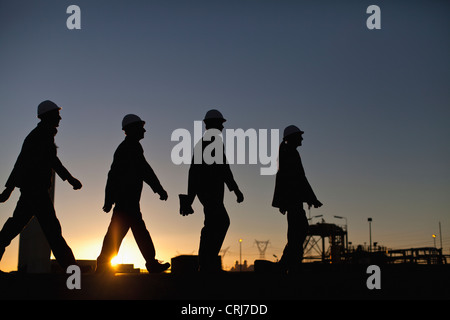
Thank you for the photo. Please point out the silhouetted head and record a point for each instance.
(214, 120)
(133, 126)
(48, 112)
(292, 135)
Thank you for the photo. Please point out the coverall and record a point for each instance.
(124, 187)
(207, 182)
(291, 190)
(32, 173)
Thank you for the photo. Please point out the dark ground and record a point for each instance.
(316, 282)
(321, 291)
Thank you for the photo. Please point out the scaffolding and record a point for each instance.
(424, 255)
(314, 247)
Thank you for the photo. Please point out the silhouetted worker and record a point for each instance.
(206, 180)
(32, 173)
(124, 187)
(291, 190)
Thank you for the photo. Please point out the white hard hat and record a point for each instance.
(214, 114)
(291, 130)
(46, 106)
(129, 119)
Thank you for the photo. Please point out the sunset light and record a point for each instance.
(128, 254)
(115, 261)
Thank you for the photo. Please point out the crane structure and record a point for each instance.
(317, 233)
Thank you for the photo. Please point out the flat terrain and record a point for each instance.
(316, 282)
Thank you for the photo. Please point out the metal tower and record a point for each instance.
(262, 246)
(224, 252)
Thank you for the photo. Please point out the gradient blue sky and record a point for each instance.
(374, 105)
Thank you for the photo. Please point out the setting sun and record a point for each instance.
(129, 254)
(115, 261)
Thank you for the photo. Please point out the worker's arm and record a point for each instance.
(64, 174)
(4, 196)
(230, 182)
(150, 177)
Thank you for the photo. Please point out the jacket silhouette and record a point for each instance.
(37, 159)
(292, 189)
(291, 185)
(128, 172)
(32, 173)
(207, 181)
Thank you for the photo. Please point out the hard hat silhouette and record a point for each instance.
(129, 119)
(46, 106)
(291, 130)
(214, 114)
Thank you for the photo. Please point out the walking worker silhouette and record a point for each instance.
(206, 180)
(32, 173)
(123, 188)
(291, 190)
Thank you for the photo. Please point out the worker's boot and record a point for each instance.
(156, 267)
(104, 269)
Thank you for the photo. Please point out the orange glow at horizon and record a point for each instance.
(115, 261)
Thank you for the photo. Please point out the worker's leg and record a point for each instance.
(213, 234)
(45, 213)
(117, 230)
(296, 235)
(142, 237)
(14, 225)
(145, 244)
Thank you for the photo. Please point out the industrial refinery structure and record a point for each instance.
(328, 243)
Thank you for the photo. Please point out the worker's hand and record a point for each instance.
(107, 207)
(76, 184)
(239, 195)
(283, 211)
(163, 195)
(186, 210)
(316, 204)
(4, 196)
(186, 204)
